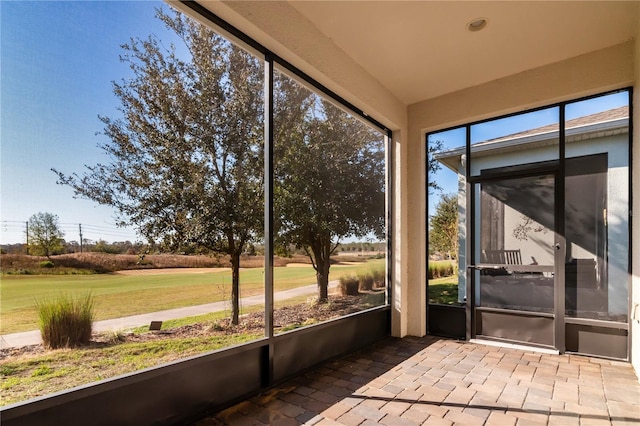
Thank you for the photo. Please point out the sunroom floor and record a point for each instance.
(434, 381)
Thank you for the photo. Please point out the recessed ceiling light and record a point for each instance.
(477, 24)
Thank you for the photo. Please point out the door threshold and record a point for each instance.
(515, 346)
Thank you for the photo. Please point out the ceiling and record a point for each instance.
(420, 50)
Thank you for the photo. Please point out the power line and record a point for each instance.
(12, 227)
(71, 230)
(96, 232)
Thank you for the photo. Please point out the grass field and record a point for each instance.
(31, 374)
(40, 373)
(118, 295)
(444, 290)
(65, 368)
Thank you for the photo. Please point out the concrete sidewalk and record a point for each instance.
(16, 340)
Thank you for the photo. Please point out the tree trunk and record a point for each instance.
(322, 277)
(235, 288)
(322, 272)
(319, 251)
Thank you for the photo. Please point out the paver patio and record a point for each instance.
(435, 381)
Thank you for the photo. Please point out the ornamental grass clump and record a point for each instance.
(441, 269)
(349, 285)
(65, 322)
(379, 277)
(366, 281)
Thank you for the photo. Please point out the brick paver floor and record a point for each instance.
(434, 381)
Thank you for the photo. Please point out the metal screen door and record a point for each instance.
(515, 251)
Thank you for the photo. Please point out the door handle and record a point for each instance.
(556, 246)
(482, 267)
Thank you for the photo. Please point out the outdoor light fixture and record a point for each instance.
(477, 24)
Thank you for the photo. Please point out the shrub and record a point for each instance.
(65, 322)
(379, 277)
(349, 285)
(441, 269)
(366, 281)
(46, 264)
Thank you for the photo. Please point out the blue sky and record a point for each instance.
(58, 62)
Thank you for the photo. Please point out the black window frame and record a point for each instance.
(271, 62)
(560, 168)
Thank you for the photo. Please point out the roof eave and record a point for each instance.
(445, 157)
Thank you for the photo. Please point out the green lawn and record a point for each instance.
(58, 370)
(38, 374)
(120, 295)
(444, 290)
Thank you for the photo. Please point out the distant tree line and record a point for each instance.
(115, 247)
(45, 237)
(67, 247)
(356, 247)
(39, 244)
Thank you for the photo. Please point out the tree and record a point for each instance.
(44, 234)
(329, 177)
(443, 235)
(433, 165)
(186, 156)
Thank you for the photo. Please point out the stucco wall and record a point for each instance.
(609, 69)
(635, 239)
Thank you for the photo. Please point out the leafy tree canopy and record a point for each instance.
(433, 165)
(44, 234)
(186, 155)
(443, 226)
(329, 177)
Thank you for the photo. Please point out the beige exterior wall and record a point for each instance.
(635, 232)
(609, 69)
(399, 287)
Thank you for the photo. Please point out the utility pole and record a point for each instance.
(80, 229)
(27, 223)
